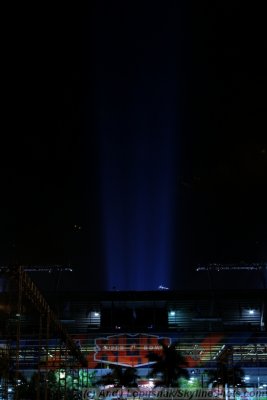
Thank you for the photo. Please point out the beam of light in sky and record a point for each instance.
(135, 86)
(138, 176)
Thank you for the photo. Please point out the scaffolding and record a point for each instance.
(37, 355)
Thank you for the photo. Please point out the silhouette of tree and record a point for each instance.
(120, 376)
(171, 365)
(4, 367)
(225, 373)
(9, 377)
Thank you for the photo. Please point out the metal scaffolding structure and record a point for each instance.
(32, 338)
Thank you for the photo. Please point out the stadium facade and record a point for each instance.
(95, 331)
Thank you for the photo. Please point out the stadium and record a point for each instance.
(63, 342)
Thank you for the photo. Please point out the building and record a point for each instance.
(94, 331)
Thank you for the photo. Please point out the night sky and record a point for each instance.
(134, 142)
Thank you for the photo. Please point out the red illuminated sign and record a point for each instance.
(127, 350)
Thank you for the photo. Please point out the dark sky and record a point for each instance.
(87, 84)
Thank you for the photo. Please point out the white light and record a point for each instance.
(161, 287)
(172, 313)
(264, 385)
(96, 314)
(251, 311)
(62, 374)
(247, 378)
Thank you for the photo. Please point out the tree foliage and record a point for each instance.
(225, 372)
(170, 365)
(120, 376)
(223, 375)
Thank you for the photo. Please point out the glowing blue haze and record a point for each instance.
(138, 178)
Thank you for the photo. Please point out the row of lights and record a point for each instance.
(250, 311)
(247, 379)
